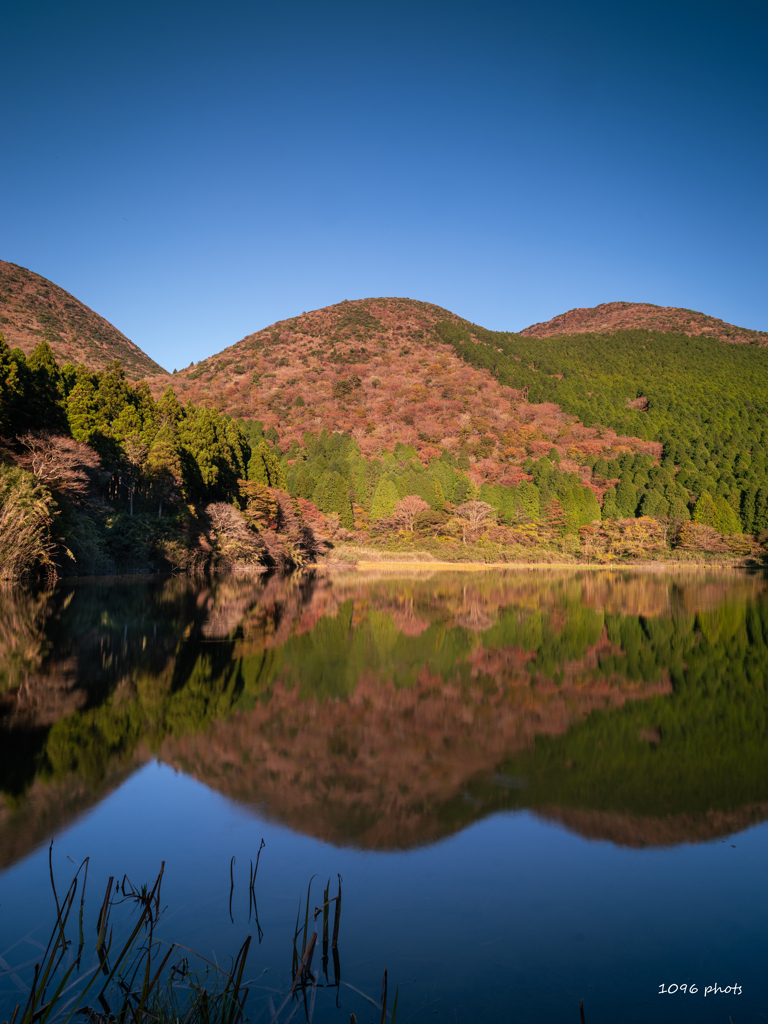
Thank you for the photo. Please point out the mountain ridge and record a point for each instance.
(34, 309)
(618, 316)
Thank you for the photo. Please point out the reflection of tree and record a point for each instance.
(386, 697)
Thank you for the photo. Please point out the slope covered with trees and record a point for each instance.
(633, 316)
(97, 477)
(34, 309)
(704, 402)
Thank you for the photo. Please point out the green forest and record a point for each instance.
(705, 401)
(98, 477)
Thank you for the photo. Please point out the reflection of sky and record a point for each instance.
(511, 919)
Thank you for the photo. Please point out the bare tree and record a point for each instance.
(60, 463)
(406, 510)
(473, 514)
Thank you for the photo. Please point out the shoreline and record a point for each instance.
(654, 567)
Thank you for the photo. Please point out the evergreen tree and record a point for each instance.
(610, 509)
(332, 495)
(164, 465)
(385, 497)
(726, 519)
(626, 498)
(654, 505)
(528, 500)
(760, 521)
(705, 511)
(265, 468)
(46, 403)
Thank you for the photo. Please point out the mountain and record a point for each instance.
(381, 370)
(33, 309)
(626, 316)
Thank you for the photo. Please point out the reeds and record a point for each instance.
(136, 983)
(129, 984)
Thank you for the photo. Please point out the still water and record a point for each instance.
(537, 787)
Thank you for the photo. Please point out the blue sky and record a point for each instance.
(194, 171)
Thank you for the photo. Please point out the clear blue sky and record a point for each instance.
(195, 170)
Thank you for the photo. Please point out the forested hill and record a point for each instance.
(380, 370)
(33, 309)
(628, 316)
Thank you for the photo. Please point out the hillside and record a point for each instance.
(629, 316)
(33, 309)
(377, 369)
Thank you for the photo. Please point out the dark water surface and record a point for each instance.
(537, 787)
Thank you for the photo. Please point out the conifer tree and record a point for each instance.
(265, 468)
(626, 498)
(385, 497)
(528, 500)
(726, 518)
(705, 511)
(610, 509)
(164, 465)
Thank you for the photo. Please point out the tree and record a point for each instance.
(610, 509)
(164, 465)
(705, 511)
(265, 467)
(61, 463)
(406, 510)
(473, 514)
(135, 459)
(331, 495)
(385, 497)
(431, 520)
(726, 519)
(557, 523)
(626, 498)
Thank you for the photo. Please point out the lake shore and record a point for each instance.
(364, 565)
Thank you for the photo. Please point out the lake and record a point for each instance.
(537, 786)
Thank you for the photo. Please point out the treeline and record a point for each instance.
(705, 401)
(98, 475)
(646, 512)
(330, 470)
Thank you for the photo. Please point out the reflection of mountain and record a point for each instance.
(50, 806)
(390, 712)
(643, 830)
(380, 767)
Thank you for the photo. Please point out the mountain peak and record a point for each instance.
(33, 309)
(624, 316)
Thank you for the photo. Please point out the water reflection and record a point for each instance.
(387, 713)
